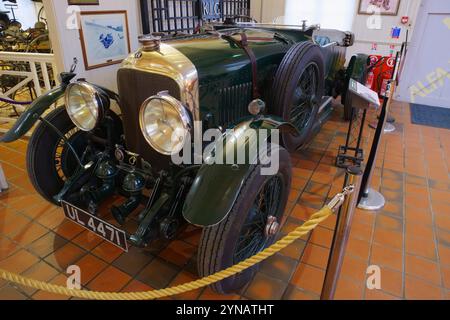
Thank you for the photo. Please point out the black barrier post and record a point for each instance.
(370, 199)
(341, 234)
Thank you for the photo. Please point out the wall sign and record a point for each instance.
(211, 9)
(395, 32)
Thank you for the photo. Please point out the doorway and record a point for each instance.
(426, 77)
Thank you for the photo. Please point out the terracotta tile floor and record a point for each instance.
(409, 239)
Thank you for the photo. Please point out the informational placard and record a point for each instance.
(361, 91)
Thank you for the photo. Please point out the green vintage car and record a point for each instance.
(233, 78)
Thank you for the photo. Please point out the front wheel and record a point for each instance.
(50, 162)
(251, 226)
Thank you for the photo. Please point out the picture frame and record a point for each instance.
(83, 2)
(104, 37)
(386, 7)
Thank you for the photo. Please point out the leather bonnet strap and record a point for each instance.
(243, 44)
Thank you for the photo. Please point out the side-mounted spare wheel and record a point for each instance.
(251, 226)
(297, 90)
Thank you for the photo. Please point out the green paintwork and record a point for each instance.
(32, 114)
(222, 196)
(223, 65)
(27, 120)
(220, 65)
(357, 67)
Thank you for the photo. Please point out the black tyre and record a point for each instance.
(49, 160)
(242, 233)
(297, 91)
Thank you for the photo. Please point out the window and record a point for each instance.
(331, 14)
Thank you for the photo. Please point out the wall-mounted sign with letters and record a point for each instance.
(211, 9)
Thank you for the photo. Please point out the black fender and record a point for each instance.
(357, 70)
(32, 114)
(217, 186)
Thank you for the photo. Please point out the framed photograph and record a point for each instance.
(385, 7)
(105, 38)
(83, 2)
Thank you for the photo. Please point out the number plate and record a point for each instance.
(101, 228)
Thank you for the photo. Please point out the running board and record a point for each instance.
(325, 102)
(325, 112)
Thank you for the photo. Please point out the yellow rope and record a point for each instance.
(299, 232)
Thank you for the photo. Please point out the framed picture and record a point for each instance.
(83, 2)
(384, 7)
(105, 38)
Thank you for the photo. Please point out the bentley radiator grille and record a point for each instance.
(135, 87)
(234, 103)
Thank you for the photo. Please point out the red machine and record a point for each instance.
(380, 72)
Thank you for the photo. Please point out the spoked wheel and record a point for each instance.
(262, 222)
(251, 226)
(297, 91)
(304, 102)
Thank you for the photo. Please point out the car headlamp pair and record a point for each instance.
(164, 121)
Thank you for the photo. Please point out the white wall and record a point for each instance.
(267, 10)
(66, 42)
(365, 36)
(330, 14)
(341, 14)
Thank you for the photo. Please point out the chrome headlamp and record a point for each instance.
(165, 123)
(85, 105)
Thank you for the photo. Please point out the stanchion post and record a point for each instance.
(370, 199)
(3, 184)
(341, 234)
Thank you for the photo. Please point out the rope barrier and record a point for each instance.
(299, 232)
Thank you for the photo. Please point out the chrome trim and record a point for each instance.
(179, 107)
(325, 102)
(335, 43)
(273, 26)
(170, 62)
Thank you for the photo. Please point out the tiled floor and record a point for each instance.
(409, 239)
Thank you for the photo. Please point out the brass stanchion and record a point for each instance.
(341, 233)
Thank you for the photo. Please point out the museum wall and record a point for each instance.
(66, 41)
(342, 15)
(269, 12)
(330, 14)
(379, 40)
